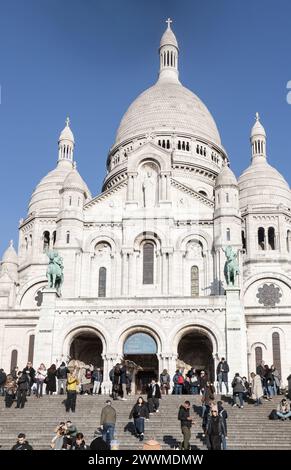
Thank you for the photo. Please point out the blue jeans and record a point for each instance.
(240, 396)
(284, 415)
(270, 389)
(178, 389)
(139, 425)
(223, 442)
(108, 433)
(194, 390)
(219, 378)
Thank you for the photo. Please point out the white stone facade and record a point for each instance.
(162, 189)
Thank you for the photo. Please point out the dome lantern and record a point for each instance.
(66, 144)
(169, 52)
(258, 140)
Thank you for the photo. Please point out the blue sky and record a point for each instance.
(89, 59)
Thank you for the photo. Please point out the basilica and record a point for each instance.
(144, 260)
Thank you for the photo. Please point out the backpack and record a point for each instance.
(273, 415)
(180, 380)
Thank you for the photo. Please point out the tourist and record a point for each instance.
(31, 374)
(97, 379)
(207, 401)
(40, 376)
(269, 383)
(23, 386)
(277, 379)
(79, 443)
(128, 382)
(222, 374)
(3, 378)
(14, 372)
(194, 383)
(283, 410)
(70, 435)
(238, 390)
(98, 441)
(57, 441)
(215, 430)
(107, 422)
(10, 391)
(186, 423)
(165, 382)
(22, 443)
(202, 381)
(256, 388)
(246, 393)
(178, 380)
(153, 396)
(223, 413)
(62, 373)
(116, 381)
(51, 380)
(139, 413)
(72, 383)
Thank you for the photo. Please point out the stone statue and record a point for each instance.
(149, 189)
(55, 269)
(231, 269)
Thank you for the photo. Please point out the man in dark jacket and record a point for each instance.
(186, 423)
(98, 442)
(2, 382)
(22, 443)
(31, 374)
(215, 430)
(62, 373)
(153, 395)
(23, 385)
(222, 374)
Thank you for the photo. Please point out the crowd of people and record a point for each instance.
(263, 384)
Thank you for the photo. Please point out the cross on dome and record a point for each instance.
(169, 21)
(68, 121)
(257, 116)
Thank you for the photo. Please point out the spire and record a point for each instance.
(258, 141)
(169, 52)
(66, 144)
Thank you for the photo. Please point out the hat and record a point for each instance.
(98, 432)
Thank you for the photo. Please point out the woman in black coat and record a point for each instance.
(215, 431)
(139, 413)
(50, 380)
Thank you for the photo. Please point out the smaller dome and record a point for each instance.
(66, 133)
(74, 181)
(257, 128)
(263, 185)
(226, 177)
(10, 255)
(169, 38)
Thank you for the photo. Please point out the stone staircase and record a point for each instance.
(248, 428)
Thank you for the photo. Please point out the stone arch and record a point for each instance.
(142, 327)
(267, 275)
(106, 236)
(216, 339)
(28, 285)
(77, 328)
(148, 235)
(203, 237)
(149, 151)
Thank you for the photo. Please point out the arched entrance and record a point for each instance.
(195, 350)
(141, 348)
(87, 347)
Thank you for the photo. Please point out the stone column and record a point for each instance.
(109, 361)
(236, 337)
(124, 272)
(43, 346)
(171, 360)
(164, 271)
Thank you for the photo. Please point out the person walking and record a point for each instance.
(97, 379)
(3, 378)
(40, 377)
(10, 390)
(107, 422)
(72, 383)
(123, 381)
(153, 396)
(186, 423)
(139, 413)
(238, 390)
(23, 385)
(256, 388)
(116, 381)
(165, 382)
(62, 373)
(222, 374)
(178, 380)
(31, 374)
(51, 380)
(223, 413)
(215, 430)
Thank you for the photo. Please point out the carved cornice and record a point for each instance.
(204, 200)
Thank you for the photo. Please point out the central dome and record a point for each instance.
(168, 106)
